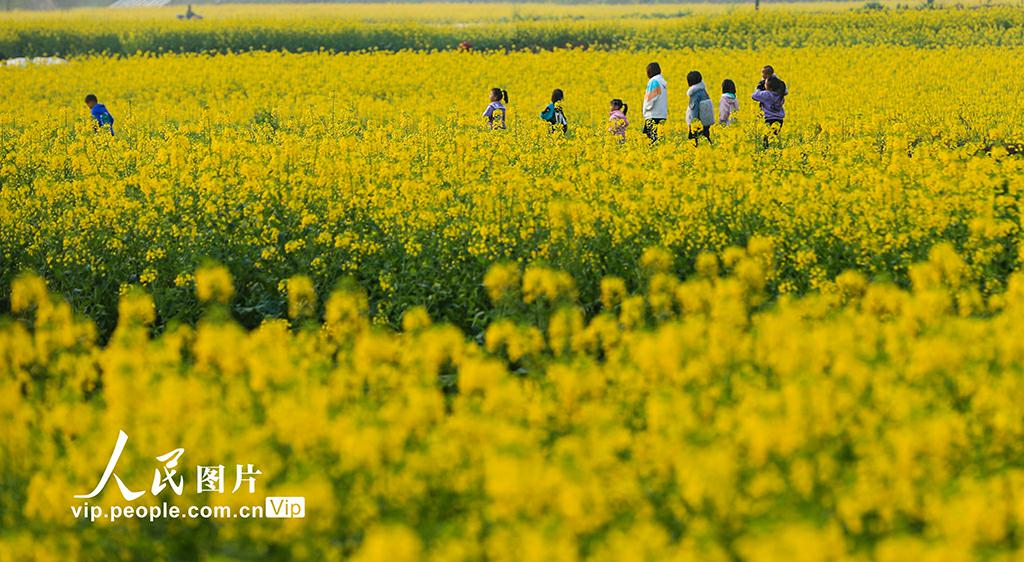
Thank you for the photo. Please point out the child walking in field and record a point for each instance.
(728, 105)
(99, 112)
(772, 100)
(655, 102)
(767, 72)
(495, 112)
(700, 113)
(553, 113)
(617, 118)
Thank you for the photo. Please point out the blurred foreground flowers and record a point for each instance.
(686, 421)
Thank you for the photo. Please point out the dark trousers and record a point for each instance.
(696, 135)
(651, 127)
(775, 130)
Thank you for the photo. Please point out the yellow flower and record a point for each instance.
(213, 284)
(301, 297)
(28, 291)
(613, 290)
(136, 308)
(390, 544)
(502, 281)
(416, 318)
(541, 283)
(656, 260)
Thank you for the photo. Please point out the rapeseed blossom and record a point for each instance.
(461, 345)
(822, 424)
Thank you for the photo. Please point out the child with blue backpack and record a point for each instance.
(554, 114)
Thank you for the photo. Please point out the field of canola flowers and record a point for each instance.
(469, 345)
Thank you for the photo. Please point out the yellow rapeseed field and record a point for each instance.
(464, 344)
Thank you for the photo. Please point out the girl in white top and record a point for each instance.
(655, 101)
(495, 112)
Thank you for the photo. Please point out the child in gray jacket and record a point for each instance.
(700, 113)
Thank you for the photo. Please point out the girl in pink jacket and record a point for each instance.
(617, 118)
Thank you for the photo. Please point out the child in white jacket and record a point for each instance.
(655, 101)
(728, 105)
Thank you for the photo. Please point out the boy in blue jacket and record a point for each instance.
(99, 113)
